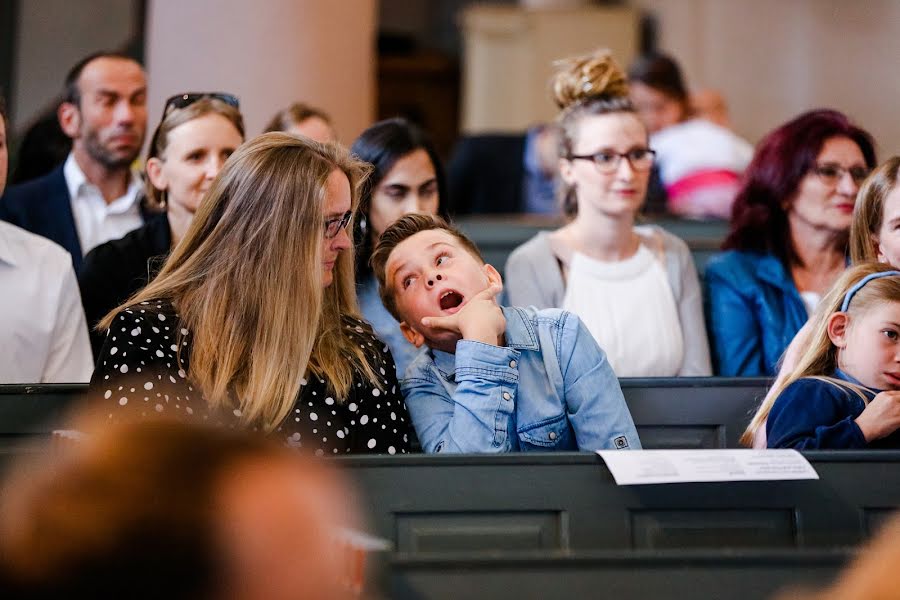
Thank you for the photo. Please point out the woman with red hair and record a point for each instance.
(788, 238)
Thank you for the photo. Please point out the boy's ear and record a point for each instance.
(412, 336)
(493, 275)
(837, 328)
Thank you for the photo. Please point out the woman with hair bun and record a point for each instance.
(635, 287)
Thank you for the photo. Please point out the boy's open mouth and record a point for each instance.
(450, 299)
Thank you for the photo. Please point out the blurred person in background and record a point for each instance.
(303, 119)
(700, 162)
(94, 196)
(43, 147)
(197, 134)
(407, 177)
(42, 326)
(165, 510)
(788, 240)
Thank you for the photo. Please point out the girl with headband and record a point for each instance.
(845, 389)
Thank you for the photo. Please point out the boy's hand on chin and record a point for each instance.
(480, 320)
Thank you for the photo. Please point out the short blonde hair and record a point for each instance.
(868, 213)
(247, 281)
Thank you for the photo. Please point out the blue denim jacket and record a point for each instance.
(549, 388)
(754, 312)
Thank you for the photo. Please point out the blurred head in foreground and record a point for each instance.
(165, 510)
(873, 575)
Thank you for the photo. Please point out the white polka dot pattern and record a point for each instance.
(144, 365)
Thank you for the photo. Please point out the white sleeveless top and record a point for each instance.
(629, 308)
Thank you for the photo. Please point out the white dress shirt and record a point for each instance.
(43, 332)
(95, 220)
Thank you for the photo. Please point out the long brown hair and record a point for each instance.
(820, 358)
(246, 281)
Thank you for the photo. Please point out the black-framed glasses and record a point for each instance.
(334, 226)
(607, 161)
(188, 98)
(832, 173)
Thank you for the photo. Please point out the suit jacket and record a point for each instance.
(43, 206)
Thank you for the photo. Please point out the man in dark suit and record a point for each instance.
(94, 196)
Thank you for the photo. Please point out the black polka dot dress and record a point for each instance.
(143, 371)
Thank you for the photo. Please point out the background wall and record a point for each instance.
(269, 54)
(774, 59)
(51, 35)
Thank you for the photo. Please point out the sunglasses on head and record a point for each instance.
(182, 100)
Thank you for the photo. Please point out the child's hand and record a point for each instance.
(881, 417)
(481, 319)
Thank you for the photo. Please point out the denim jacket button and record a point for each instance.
(552, 435)
(513, 364)
(506, 396)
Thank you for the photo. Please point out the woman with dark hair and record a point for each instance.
(407, 177)
(788, 239)
(699, 162)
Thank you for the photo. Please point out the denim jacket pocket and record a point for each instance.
(547, 434)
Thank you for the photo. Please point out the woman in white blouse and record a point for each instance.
(635, 288)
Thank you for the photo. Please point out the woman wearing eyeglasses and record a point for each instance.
(788, 238)
(407, 177)
(196, 136)
(634, 287)
(252, 320)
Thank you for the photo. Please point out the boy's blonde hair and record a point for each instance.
(404, 228)
(820, 358)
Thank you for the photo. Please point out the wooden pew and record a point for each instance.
(689, 412)
(498, 235)
(568, 503)
(748, 575)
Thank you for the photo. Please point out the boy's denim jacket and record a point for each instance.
(549, 388)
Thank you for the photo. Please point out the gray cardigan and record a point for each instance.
(533, 278)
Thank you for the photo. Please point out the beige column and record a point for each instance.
(269, 54)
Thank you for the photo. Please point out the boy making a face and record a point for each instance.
(493, 379)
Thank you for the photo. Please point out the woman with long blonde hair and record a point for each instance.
(253, 318)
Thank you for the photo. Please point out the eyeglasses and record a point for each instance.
(182, 100)
(334, 226)
(607, 162)
(831, 174)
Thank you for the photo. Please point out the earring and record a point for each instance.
(363, 224)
